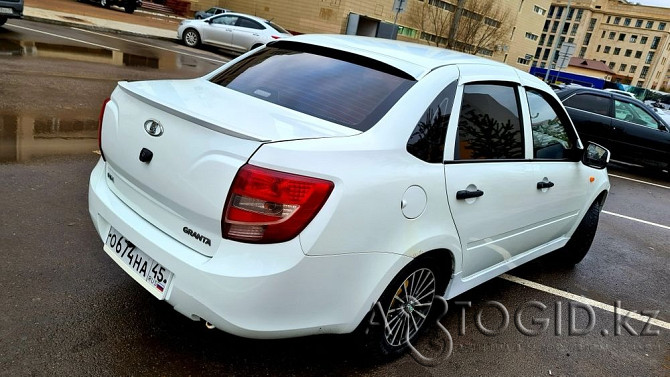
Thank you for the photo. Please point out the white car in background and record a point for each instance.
(231, 31)
(291, 190)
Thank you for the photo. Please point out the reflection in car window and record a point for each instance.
(337, 89)
(633, 113)
(488, 125)
(427, 139)
(550, 136)
(251, 24)
(589, 102)
(225, 20)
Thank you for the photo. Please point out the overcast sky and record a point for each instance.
(655, 3)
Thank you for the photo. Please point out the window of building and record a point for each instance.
(623, 67)
(633, 68)
(582, 52)
(489, 126)
(546, 25)
(622, 37)
(531, 36)
(598, 48)
(592, 24)
(538, 52)
(551, 11)
(580, 12)
(617, 20)
(603, 34)
(640, 83)
(566, 27)
(611, 65)
(571, 13)
(612, 35)
(638, 23)
(554, 27)
(540, 11)
(609, 19)
(550, 41)
(643, 40)
(628, 53)
(633, 38)
(655, 42)
(644, 72)
(542, 38)
(523, 61)
(626, 22)
(559, 12)
(650, 24)
(607, 49)
(661, 26)
(575, 26)
(638, 54)
(545, 56)
(650, 57)
(571, 40)
(550, 136)
(587, 39)
(617, 50)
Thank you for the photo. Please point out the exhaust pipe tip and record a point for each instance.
(209, 325)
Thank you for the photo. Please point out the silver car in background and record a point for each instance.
(232, 31)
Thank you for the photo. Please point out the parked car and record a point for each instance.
(291, 190)
(232, 31)
(10, 9)
(199, 15)
(128, 6)
(627, 127)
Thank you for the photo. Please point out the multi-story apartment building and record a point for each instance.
(633, 40)
(523, 22)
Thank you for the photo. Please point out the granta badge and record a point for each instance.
(153, 127)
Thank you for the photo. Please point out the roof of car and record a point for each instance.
(413, 58)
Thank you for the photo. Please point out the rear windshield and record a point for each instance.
(355, 92)
(277, 27)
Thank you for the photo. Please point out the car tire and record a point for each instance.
(129, 9)
(420, 276)
(580, 242)
(3, 20)
(191, 38)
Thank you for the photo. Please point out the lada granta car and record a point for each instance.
(291, 190)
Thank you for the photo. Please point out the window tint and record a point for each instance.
(589, 102)
(428, 138)
(225, 20)
(488, 125)
(633, 113)
(339, 87)
(251, 24)
(551, 139)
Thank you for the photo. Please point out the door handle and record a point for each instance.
(544, 185)
(465, 194)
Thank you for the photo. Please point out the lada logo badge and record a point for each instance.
(153, 127)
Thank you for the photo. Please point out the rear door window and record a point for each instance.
(339, 87)
(488, 126)
(590, 102)
(633, 113)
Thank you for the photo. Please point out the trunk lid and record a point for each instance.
(199, 135)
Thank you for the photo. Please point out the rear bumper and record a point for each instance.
(255, 291)
(16, 9)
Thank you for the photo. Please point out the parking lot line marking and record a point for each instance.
(638, 220)
(152, 46)
(64, 37)
(587, 301)
(639, 181)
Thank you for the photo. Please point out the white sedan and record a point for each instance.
(231, 31)
(291, 190)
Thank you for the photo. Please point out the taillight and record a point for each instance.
(268, 206)
(102, 114)
(275, 37)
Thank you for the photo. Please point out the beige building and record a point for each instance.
(522, 24)
(632, 40)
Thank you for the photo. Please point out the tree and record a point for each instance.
(470, 26)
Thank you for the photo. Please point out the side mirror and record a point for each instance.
(596, 156)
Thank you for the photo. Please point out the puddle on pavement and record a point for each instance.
(25, 137)
(9, 47)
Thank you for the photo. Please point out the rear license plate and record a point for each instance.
(6, 10)
(141, 267)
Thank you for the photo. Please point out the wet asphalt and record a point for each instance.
(68, 310)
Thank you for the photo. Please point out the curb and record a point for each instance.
(97, 28)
